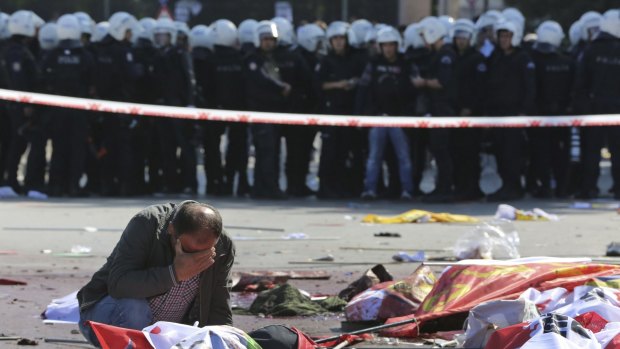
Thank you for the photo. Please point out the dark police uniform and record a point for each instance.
(550, 147)
(342, 161)
(68, 70)
(115, 80)
(174, 76)
(471, 73)
(443, 103)
(418, 138)
(144, 141)
(220, 76)
(22, 74)
(511, 90)
(598, 73)
(264, 87)
(295, 70)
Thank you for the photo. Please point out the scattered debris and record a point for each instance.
(596, 205)
(282, 238)
(286, 300)
(364, 248)
(419, 256)
(513, 214)
(7, 252)
(7, 338)
(328, 258)
(9, 282)
(386, 234)
(81, 249)
(613, 250)
(63, 310)
(419, 216)
(490, 240)
(371, 277)
(392, 298)
(46, 251)
(26, 341)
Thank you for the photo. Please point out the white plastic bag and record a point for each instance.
(497, 239)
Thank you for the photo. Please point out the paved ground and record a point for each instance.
(579, 233)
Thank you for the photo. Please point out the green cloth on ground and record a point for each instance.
(286, 300)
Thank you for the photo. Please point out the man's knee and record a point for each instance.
(134, 313)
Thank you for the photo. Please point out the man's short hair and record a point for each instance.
(190, 218)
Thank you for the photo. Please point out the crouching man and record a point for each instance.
(172, 263)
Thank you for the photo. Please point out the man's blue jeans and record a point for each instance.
(378, 138)
(127, 313)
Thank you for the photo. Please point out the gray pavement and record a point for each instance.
(329, 225)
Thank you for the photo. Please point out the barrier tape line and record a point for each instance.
(253, 117)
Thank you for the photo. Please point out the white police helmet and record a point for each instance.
(509, 26)
(147, 24)
(224, 33)
(247, 31)
(101, 30)
(22, 23)
(48, 36)
(201, 36)
(4, 26)
(433, 30)
(611, 23)
(514, 15)
(165, 26)
(265, 29)
(357, 34)
(550, 32)
(389, 34)
(87, 25)
(120, 23)
(488, 19)
(286, 33)
(413, 36)
(464, 28)
(590, 25)
(310, 36)
(574, 33)
(69, 27)
(337, 28)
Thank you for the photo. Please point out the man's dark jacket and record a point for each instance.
(139, 268)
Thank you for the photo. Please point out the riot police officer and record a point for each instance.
(471, 71)
(341, 165)
(511, 90)
(68, 70)
(223, 84)
(598, 72)
(549, 156)
(441, 86)
(174, 75)
(22, 74)
(266, 91)
(115, 80)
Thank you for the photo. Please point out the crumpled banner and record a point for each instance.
(514, 214)
(420, 216)
(166, 335)
(392, 298)
(462, 287)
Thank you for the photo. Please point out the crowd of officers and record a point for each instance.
(436, 67)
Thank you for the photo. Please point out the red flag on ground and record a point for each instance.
(510, 337)
(112, 337)
(462, 287)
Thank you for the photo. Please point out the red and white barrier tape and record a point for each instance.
(253, 117)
